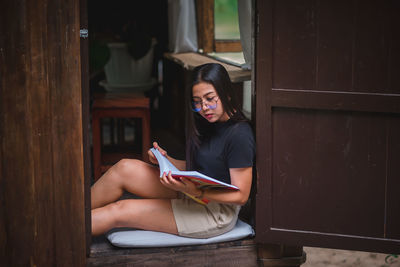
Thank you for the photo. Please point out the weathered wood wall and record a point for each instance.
(42, 220)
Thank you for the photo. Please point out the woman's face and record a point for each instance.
(205, 95)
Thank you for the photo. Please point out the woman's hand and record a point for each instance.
(153, 158)
(180, 184)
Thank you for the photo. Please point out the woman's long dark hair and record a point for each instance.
(199, 128)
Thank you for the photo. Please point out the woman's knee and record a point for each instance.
(126, 166)
(120, 211)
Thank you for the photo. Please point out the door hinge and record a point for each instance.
(84, 33)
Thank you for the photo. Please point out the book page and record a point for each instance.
(164, 164)
(196, 177)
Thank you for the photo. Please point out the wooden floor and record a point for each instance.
(234, 253)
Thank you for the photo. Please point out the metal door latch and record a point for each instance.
(84, 33)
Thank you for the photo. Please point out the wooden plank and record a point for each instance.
(115, 100)
(318, 239)
(4, 261)
(352, 147)
(84, 47)
(228, 46)
(294, 43)
(121, 113)
(26, 127)
(263, 79)
(336, 100)
(191, 60)
(394, 53)
(334, 56)
(371, 47)
(41, 152)
(67, 143)
(41, 140)
(363, 59)
(392, 229)
(205, 25)
(234, 253)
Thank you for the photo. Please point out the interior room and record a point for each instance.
(139, 49)
(144, 26)
(145, 50)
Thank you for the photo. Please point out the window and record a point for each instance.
(226, 20)
(218, 26)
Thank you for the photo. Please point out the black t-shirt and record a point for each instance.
(230, 146)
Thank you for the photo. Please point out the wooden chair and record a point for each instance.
(118, 105)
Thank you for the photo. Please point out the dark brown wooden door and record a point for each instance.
(328, 124)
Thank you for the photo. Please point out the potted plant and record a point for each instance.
(128, 60)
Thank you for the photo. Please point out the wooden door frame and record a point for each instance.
(42, 220)
(84, 54)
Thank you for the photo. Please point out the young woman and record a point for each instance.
(220, 144)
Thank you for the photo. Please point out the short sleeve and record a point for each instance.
(241, 146)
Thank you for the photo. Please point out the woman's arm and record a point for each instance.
(240, 177)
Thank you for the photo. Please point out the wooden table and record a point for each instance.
(118, 105)
(191, 60)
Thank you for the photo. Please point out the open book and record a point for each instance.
(201, 180)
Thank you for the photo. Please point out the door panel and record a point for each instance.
(327, 45)
(393, 181)
(319, 152)
(328, 121)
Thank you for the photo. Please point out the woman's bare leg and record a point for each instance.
(147, 214)
(134, 176)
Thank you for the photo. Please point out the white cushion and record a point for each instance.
(140, 238)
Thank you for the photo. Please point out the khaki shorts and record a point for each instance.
(203, 221)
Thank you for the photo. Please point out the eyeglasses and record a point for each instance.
(210, 102)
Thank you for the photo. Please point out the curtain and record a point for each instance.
(182, 26)
(244, 11)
